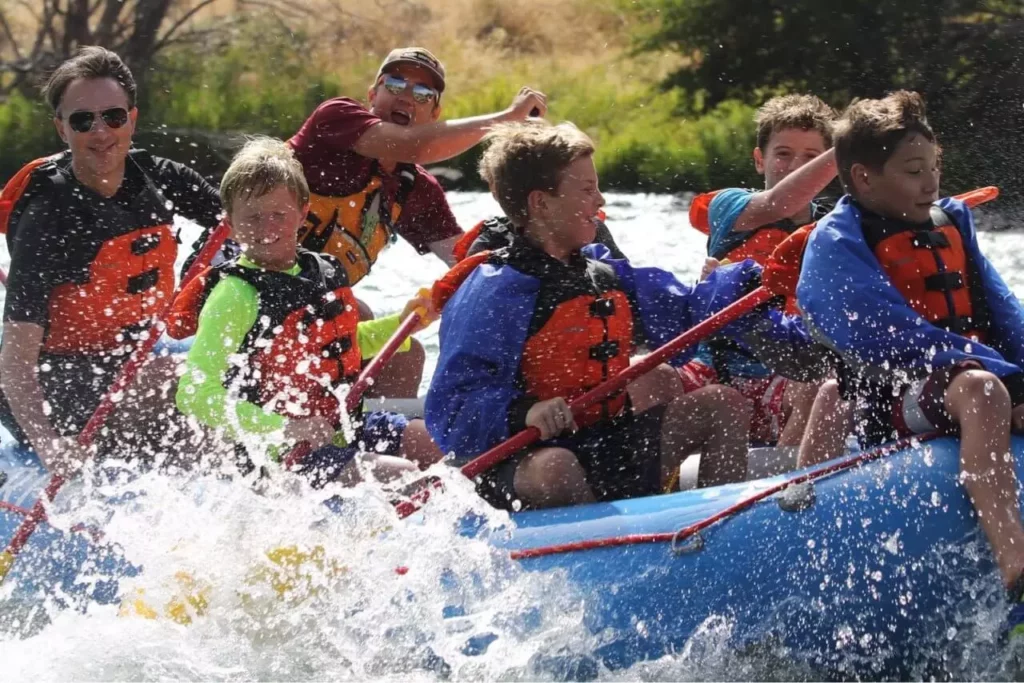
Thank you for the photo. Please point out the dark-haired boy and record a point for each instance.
(933, 339)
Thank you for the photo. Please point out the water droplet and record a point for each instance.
(989, 386)
(951, 632)
(811, 543)
(936, 498)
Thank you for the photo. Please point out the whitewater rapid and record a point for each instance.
(374, 607)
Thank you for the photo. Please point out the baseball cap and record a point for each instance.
(415, 55)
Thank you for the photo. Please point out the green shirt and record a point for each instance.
(229, 313)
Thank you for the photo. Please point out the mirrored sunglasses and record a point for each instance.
(83, 121)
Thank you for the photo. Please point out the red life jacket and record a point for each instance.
(933, 271)
(581, 331)
(303, 343)
(127, 251)
(757, 244)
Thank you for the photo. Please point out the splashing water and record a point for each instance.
(275, 586)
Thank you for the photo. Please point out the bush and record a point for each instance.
(196, 106)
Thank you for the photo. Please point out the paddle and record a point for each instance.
(365, 378)
(699, 332)
(106, 407)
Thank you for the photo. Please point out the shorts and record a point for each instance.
(913, 408)
(380, 433)
(621, 457)
(765, 394)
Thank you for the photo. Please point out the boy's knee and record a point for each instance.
(550, 470)
(979, 389)
(724, 401)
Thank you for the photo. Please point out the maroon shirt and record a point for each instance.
(324, 148)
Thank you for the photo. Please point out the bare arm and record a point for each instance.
(19, 379)
(442, 249)
(790, 196)
(434, 142)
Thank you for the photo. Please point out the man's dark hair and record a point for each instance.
(90, 62)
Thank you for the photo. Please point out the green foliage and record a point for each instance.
(643, 144)
(962, 55)
(26, 133)
(196, 106)
(269, 90)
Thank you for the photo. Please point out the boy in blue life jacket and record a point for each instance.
(536, 324)
(933, 339)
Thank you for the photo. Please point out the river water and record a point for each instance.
(353, 614)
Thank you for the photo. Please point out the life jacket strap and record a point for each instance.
(944, 282)
(604, 351)
(602, 308)
(930, 239)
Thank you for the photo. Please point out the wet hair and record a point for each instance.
(262, 165)
(91, 63)
(805, 112)
(528, 156)
(869, 131)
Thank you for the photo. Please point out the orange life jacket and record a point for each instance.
(303, 343)
(930, 267)
(355, 229)
(15, 188)
(581, 331)
(757, 244)
(782, 272)
(130, 275)
(462, 245)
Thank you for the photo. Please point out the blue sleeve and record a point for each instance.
(723, 212)
(848, 298)
(666, 307)
(483, 331)
(1007, 317)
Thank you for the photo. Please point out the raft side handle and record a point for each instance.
(683, 543)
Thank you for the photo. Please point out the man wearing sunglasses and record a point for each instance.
(92, 261)
(365, 171)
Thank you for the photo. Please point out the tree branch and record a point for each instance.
(169, 34)
(10, 36)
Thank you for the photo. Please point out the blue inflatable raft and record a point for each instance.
(854, 577)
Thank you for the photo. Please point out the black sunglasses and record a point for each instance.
(82, 121)
(396, 85)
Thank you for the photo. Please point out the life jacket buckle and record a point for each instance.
(338, 347)
(145, 243)
(944, 282)
(930, 239)
(957, 324)
(143, 281)
(604, 351)
(602, 308)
